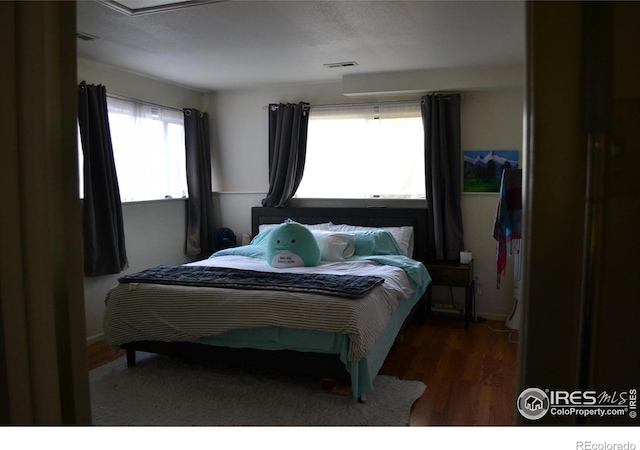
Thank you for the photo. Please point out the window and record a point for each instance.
(148, 149)
(364, 151)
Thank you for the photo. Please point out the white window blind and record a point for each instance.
(364, 151)
(148, 149)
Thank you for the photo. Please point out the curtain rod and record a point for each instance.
(276, 105)
(337, 105)
(400, 102)
(122, 97)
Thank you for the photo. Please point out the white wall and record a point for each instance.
(491, 119)
(132, 85)
(239, 130)
(155, 232)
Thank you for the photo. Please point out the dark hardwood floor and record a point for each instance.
(100, 354)
(471, 375)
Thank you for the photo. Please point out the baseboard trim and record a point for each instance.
(93, 339)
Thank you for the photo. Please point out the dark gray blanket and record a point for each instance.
(349, 286)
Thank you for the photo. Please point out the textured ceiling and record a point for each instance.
(237, 44)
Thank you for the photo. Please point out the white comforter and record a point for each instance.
(153, 312)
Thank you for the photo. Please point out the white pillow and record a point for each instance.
(317, 226)
(335, 246)
(402, 235)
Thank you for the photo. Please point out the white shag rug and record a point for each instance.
(168, 392)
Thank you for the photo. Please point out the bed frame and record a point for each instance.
(299, 363)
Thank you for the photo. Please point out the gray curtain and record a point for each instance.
(441, 120)
(103, 229)
(288, 125)
(199, 204)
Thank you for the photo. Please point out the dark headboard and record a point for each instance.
(370, 217)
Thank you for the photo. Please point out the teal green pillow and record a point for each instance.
(292, 245)
(376, 242)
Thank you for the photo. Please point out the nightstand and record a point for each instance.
(452, 274)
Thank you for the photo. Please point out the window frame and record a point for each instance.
(168, 116)
(368, 113)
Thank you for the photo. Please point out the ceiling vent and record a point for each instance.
(340, 64)
(86, 36)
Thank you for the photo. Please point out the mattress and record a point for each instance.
(153, 312)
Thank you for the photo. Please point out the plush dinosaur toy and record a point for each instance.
(292, 245)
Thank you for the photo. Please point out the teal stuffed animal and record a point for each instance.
(292, 245)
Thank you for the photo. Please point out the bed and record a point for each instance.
(284, 329)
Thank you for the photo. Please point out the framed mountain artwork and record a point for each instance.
(482, 169)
